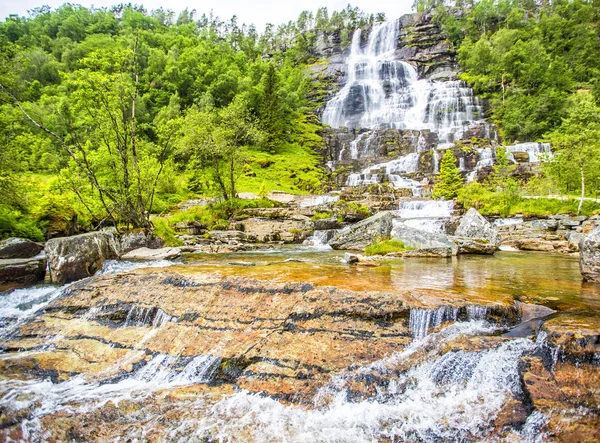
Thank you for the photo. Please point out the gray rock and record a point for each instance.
(19, 248)
(424, 252)
(422, 240)
(475, 235)
(231, 236)
(139, 239)
(360, 235)
(326, 224)
(152, 254)
(589, 256)
(80, 256)
(22, 271)
(574, 238)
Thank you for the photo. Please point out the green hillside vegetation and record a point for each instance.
(111, 115)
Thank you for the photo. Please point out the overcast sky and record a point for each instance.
(257, 12)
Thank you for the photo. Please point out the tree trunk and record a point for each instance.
(582, 188)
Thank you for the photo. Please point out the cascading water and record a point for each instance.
(425, 215)
(385, 92)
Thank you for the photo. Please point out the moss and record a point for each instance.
(322, 215)
(383, 247)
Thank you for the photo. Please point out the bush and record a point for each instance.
(14, 224)
(383, 247)
(320, 215)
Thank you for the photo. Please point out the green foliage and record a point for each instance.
(526, 57)
(14, 224)
(383, 247)
(217, 215)
(165, 232)
(450, 181)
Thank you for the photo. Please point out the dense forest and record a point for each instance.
(109, 115)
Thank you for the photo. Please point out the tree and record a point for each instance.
(450, 181)
(216, 139)
(271, 118)
(577, 143)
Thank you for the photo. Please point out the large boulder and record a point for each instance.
(360, 235)
(475, 235)
(139, 239)
(422, 241)
(19, 248)
(22, 271)
(589, 256)
(80, 256)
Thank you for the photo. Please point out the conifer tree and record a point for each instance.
(449, 179)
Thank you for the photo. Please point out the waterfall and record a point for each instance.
(393, 169)
(385, 92)
(436, 162)
(421, 321)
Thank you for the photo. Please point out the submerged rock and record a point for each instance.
(589, 256)
(22, 271)
(19, 248)
(80, 256)
(360, 235)
(475, 235)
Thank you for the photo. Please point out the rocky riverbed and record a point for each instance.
(289, 343)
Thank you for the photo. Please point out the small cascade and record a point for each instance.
(318, 200)
(319, 239)
(421, 321)
(393, 170)
(425, 215)
(461, 164)
(436, 162)
(534, 151)
(425, 208)
(139, 316)
(485, 158)
(511, 221)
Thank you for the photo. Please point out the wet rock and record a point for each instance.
(326, 224)
(152, 254)
(423, 252)
(295, 229)
(22, 271)
(79, 256)
(534, 244)
(359, 260)
(19, 248)
(360, 235)
(422, 240)
(589, 256)
(139, 239)
(530, 311)
(190, 228)
(475, 235)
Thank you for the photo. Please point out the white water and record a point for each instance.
(425, 215)
(318, 200)
(447, 397)
(485, 159)
(385, 92)
(319, 239)
(393, 170)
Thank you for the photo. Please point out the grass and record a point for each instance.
(384, 247)
(217, 215)
(320, 215)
